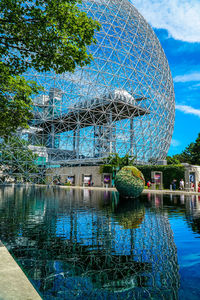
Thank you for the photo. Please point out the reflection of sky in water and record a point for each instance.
(185, 223)
(76, 244)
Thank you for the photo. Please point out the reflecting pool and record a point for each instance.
(86, 244)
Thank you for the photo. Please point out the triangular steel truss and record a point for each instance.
(123, 102)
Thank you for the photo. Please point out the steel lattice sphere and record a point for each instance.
(123, 102)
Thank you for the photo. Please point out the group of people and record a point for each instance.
(90, 183)
(181, 185)
(148, 184)
(192, 186)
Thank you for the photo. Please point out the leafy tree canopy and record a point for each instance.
(44, 35)
(15, 101)
(172, 160)
(191, 154)
(114, 163)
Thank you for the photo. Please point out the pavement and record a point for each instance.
(14, 285)
(176, 192)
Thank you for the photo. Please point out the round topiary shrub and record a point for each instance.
(129, 182)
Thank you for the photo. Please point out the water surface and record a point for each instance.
(84, 244)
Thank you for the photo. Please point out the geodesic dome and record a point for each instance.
(123, 102)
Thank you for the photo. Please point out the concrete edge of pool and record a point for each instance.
(13, 282)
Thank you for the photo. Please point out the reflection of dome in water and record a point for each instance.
(103, 259)
(144, 237)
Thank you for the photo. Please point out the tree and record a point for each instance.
(17, 161)
(114, 163)
(191, 154)
(15, 101)
(195, 151)
(45, 35)
(172, 160)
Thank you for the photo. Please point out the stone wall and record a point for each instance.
(78, 172)
(189, 169)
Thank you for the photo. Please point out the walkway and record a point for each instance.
(14, 285)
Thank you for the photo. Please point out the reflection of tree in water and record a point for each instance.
(80, 243)
(192, 212)
(128, 213)
(187, 206)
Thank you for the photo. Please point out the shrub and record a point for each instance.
(170, 172)
(129, 182)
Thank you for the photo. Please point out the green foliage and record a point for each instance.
(134, 171)
(15, 101)
(172, 160)
(170, 172)
(126, 160)
(114, 162)
(16, 159)
(45, 35)
(106, 169)
(129, 181)
(191, 154)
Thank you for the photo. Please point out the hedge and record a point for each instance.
(106, 169)
(170, 172)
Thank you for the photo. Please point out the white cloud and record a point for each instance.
(188, 110)
(180, 17)
(194, 87)
(175, 143)
(187, 77)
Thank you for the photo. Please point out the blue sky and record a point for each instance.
(177, 25)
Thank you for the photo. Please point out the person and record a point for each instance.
(89, 183)
(174, 184)
(113, 182)
(199, 187)
(181, 184)
(148, 184)
(192, 185)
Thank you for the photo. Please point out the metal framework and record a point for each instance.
(123, 102)
(112, 249)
